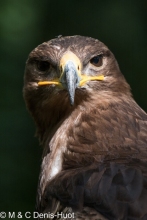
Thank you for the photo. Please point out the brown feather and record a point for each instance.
(95, 152)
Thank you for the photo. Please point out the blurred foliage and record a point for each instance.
(121, 25)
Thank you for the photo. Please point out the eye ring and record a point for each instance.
(43, 66)
(97, 60)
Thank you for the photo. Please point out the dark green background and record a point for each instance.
(121, 25)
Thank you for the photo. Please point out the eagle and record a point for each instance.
(93, 133)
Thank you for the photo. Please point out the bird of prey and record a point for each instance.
(94, 134)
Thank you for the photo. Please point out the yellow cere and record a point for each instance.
(70, 56)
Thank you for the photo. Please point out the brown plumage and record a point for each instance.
(95, 141)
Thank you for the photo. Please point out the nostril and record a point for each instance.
(61, 69)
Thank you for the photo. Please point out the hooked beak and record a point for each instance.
(71, 76)
(70, 79)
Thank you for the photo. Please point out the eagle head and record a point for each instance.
(65, 72)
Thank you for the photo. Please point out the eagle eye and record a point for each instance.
(43, 65)
(97, 61)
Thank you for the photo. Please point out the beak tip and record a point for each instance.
(72, 101)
